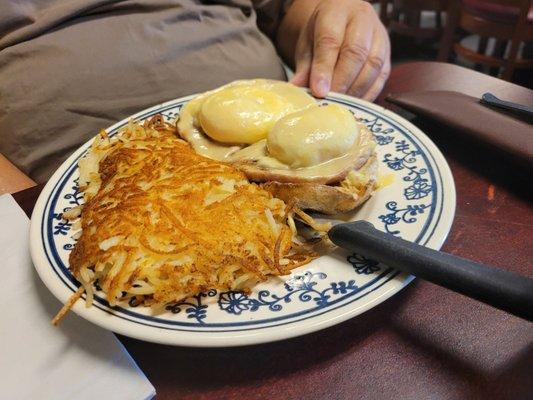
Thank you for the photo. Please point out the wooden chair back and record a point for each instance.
(514, 31)
(508, 3)
(405, 18)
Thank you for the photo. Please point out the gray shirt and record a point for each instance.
(71, 68)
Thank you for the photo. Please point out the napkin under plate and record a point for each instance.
(76, 360)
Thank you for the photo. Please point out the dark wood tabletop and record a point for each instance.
(425, 342)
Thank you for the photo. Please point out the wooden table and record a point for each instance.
(425, 342)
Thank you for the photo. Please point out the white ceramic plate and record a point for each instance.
(419, 206)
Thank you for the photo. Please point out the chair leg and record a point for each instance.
(481, 49)
(438, 19)
(415, 18)
(395, 14)
(499, 52)
(452, 20)
(508, 69)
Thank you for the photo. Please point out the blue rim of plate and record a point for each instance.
(387, 275)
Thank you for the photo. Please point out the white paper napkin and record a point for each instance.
(76, 360)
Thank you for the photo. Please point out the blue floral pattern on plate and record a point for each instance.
(309, 289)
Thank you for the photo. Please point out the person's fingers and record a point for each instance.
(301, 78)
(377, 59)
(378, 84)
(353, 52)
(303, 57)
(329, 29)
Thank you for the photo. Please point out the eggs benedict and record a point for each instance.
(318, 155)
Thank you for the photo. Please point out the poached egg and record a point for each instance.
(274, 130)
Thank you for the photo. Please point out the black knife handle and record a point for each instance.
(513, 108)
(499, 288)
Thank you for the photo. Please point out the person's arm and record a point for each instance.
(338, 45)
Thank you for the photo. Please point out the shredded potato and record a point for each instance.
(162, 223)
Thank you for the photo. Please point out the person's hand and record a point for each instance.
(342, 46)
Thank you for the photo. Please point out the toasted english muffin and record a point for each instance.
(350, 193)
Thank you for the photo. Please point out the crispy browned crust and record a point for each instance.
(327, 199)
(177, 223)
